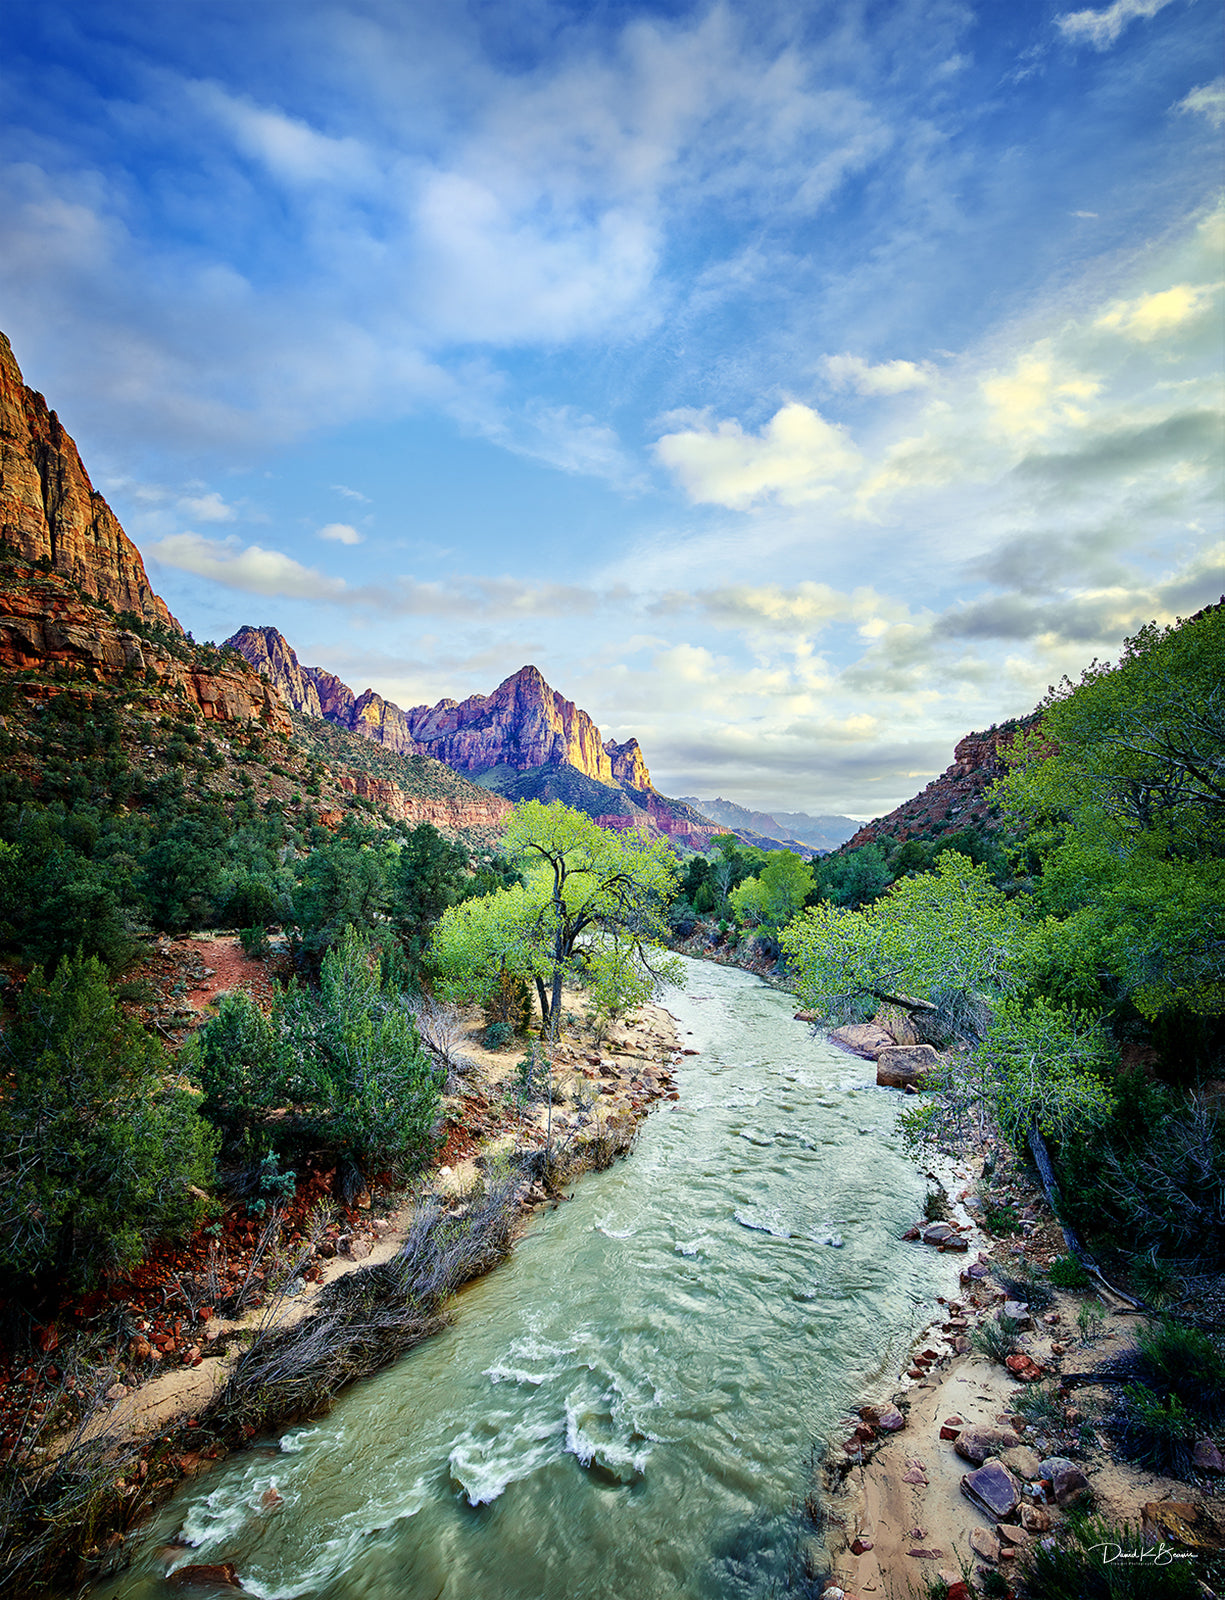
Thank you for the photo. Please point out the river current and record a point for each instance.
(625, 1409)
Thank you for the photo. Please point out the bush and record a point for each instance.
(498, 1035)
(1067, 1273)
(255, 942)
(1187, 1363)
(1078, 1568)
(237, 1059)
(100, 1153)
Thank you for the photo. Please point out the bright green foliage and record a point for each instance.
(591, 898)
(777, 893)
(854, 877)
(98, 1152)
(948, 937)
(1045, 1065)
(1123, 789)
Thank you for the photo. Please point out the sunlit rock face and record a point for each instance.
(49, 510)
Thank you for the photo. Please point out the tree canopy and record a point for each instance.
(592, 899)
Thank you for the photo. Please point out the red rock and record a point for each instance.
(861, 1547)
(1207, 1458)
(949, 1433)
(221, 1576)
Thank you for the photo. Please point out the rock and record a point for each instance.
(993, 1489)
(902, 1065)
(1023, 1367)
(271, 1497)
(222, 1576)
(861, 1546)
(353, 1247)
(806, 1016)
(936, 1232)
(976, 1444)
(911, 1235)
(139, 1350)
(947, 1432)
(1052, 1466)
(955, 1242)
(1035, 1519)
(985, 1545)
(914, 1475)
(958, 1590)
(1017, 1537)
(1206, 1457)
(1017, 1311)
(1022, 1461)
(890, 1419)
(1070, 1486)
(381, 1225)
(117, 1391)
(444, 1172)
(862, 1039)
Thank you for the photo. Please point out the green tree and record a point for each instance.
(1122, 791)
(854, 877)
(99, 1151)
(343, 884)
(591, 895)
(777, 893)
(426, 877)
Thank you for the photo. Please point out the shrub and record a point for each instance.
(255, 942)
(498, 1035)
(237, 1059)
(99, 1153)
(997, 1340)
(1186, 1362)
(1067, 1273)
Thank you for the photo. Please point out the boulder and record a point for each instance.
(1207, 1458)
(902, 1066)
(862, 1039)
(936, 1232)
(978, 1443)
(890, 1419)
(1052, 1466)
(992, 1489)
(1023, 1367)
(1022, 1461)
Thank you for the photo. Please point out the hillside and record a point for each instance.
(788, 830)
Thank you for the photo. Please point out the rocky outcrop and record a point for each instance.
(46, 627)
(956, 799)
(375, 718)
(450, 814)
(628, 767)
(269, 653)
(51, 513)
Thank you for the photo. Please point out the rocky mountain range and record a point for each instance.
(778, 830)
(525, 740)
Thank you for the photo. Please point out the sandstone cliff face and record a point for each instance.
(522, 724)
(270, 655)
(955, 799)
(447, 814)
(45, 626)
(380, 720)
(50, 511)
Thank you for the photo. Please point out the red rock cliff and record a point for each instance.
(50, 511)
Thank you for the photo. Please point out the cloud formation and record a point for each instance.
(886, 377)
(341, 533)
(795, 457)
(1102, 28)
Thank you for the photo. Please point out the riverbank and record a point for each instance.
(951, 1476)
(179, 1400)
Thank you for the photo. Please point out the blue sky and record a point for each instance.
(798, 386)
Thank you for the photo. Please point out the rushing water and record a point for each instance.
(626, 1408)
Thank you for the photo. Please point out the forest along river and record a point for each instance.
(626, 1408)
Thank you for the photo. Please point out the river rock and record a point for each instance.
(985, 1545)
(1017, 1311)
(993, 1489)
(936, 1233)
(1069, 1487)
(1052, 1466)
(890, 1419)
(978, 1443)
(902, 1066)
(220, 1576)
(1022, 1461)
(862, 1039)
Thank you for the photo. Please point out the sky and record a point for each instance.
(798, 386)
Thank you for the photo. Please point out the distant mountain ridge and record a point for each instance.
(525, 740)
(773, 830)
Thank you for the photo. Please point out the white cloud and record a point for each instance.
(250, 568)
(1039, 393)
(887, 377)
(287, 146)
(1153, 316)
(341, 533)
(1102, 28)
(207, 507)
(796, 457)
(351, 494)
(1208, 101)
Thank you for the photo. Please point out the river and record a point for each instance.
(626, 1408)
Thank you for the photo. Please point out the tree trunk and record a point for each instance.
(544, 1003)
(1042, 1160)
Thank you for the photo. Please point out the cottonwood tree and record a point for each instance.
(591, 898)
